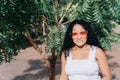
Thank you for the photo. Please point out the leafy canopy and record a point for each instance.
(19, 16)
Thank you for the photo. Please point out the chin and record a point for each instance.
(80, 45)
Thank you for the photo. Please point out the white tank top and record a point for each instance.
(86, 69)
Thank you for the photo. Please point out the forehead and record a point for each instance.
(78, 28)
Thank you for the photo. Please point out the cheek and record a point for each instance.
(85, 37)
(72, 37)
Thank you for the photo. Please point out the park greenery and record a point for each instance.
(22, 22)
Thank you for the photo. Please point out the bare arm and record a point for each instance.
(63, 75)
(103, 65)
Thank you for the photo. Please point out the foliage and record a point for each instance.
(19, 16)
(99, 13)
(118, 12)
(15, 16)
(55, 40)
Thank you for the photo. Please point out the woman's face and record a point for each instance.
(79, 35)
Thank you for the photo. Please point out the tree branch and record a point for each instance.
(32, 43)
(64, 13)
(67, 22)
(43, 25)
(55, 8)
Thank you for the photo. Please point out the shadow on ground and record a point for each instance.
(36, 71)
(112, 65)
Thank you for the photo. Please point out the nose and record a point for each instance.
(79, 36)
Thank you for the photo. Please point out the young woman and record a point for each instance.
(82, 58)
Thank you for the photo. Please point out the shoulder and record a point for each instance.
(100, 54)
(63, 54)
(99, 50)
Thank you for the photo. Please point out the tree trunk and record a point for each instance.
(51, 61)
(51, 67)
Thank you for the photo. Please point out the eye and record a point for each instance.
(83, 33)
(74, 34)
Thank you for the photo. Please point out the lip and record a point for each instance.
(79, 41)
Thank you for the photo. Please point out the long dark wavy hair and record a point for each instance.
(91, 40)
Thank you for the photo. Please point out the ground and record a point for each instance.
(28, 65)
